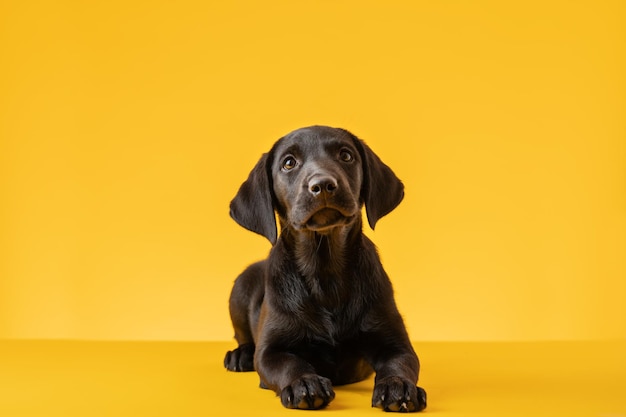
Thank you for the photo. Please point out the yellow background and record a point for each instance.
(127, 126)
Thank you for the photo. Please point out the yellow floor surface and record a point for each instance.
(70, 378)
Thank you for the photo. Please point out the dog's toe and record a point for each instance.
(421, 398)
(398, 394)
(310, 392)
(240, 359)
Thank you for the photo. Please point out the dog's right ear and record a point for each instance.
(252, 207)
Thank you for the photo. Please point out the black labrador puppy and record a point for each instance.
(319, 311)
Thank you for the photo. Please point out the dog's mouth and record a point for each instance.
(326, 218)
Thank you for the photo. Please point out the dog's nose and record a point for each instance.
(322, 184)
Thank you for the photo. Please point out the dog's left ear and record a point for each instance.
(252, 207)
(382, 191)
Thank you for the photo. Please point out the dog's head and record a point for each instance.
(316, 178)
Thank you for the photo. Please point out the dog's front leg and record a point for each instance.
(397, 370)
(293, 379)
(395, 386)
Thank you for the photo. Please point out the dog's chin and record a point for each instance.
(326, 219)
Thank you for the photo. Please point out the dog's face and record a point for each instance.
(317, 177)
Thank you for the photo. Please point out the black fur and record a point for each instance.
(319, 311)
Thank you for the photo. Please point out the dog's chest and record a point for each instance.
(330, 312)
(328, 326)
(322, 297)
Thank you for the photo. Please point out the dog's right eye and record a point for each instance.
(289, 163)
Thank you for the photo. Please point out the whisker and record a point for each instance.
(319, 244)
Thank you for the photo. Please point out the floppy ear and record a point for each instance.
(252, 207)
(382, 191)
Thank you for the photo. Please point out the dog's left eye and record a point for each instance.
(345, 156)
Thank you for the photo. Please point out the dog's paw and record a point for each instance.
(310, 392)
(398, 394)
(240, 359)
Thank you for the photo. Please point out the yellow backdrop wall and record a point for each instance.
(127, 126)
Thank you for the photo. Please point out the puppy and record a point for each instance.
(319, 311)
